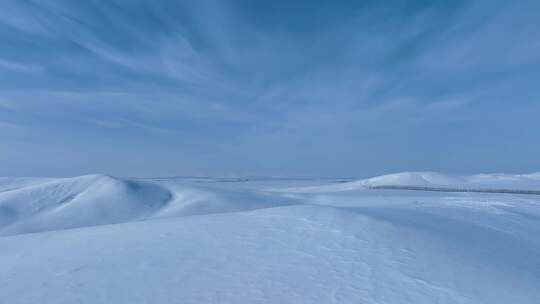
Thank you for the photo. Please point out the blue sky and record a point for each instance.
(333, 88)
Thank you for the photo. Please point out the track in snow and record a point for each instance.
(444, 189)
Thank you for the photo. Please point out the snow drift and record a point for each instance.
(33, 205)
(504, 183)
(40, 205)
(263, 242)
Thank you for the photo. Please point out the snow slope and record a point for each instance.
(480, 182)
(36, 205)
(175, 241)
(76, 202)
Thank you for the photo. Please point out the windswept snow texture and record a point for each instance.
(204, 240)
(436, 181)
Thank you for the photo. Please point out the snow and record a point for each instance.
(102, 239)
(480, 182)
(76, 202)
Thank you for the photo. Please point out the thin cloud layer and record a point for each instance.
(244, 87)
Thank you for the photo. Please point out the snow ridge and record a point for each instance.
(433, 181)
(77, 202)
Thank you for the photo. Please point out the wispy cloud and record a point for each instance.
(8, 126)
(239, 79)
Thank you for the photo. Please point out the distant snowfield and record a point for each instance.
(102, 239)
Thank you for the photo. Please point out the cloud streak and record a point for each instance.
(310, 87)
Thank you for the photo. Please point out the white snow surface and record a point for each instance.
(518, 182)
(102, 239)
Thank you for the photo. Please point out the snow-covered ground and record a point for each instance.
(102, 239)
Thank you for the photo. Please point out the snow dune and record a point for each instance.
(35, 205)
(180, 241)
(40, 205)
(479, 181)
(434, 180)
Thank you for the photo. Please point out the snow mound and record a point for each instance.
(413, 179)
(434, 180)
(29, 205)
(40, 205)
(478, 181)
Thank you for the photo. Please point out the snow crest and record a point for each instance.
(89, 200)
(433, 180)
